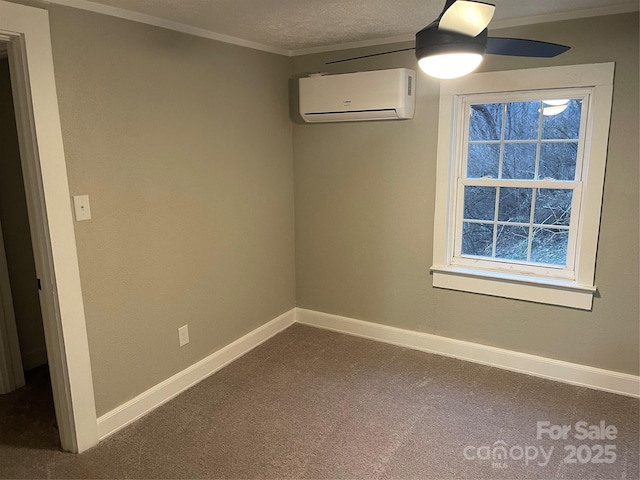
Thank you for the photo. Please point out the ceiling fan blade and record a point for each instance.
(519, 47)
(370, 55)
(467, 17)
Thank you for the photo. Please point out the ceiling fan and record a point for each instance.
(453, 45)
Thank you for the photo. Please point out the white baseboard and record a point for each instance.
(558, 370)
(135, 408)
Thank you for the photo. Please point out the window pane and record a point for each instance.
(519, 161)
(522, 121)
(477, 239)
(512, 242)
(558, 161)
(549, 246)
(486, 121)
(564, 125)
(553, 206)
(515, 205)
(483, 160)
(479, 203)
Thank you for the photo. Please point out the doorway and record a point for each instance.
(15, 239)
(25, 31)
(26, 402)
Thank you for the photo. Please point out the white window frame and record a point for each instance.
(572, 286)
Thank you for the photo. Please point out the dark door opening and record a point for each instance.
(27, 414)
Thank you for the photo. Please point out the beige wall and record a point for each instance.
(364, 196)
(16, 234)
(184, 146)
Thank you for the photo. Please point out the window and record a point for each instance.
(521, 160)
(521, 165)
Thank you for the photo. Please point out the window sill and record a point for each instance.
(521, 287)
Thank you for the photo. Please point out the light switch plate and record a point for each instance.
(82, 208)
(183, 335)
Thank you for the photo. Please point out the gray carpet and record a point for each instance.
(315, 404)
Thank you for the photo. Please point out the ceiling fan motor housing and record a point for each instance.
(432, 41)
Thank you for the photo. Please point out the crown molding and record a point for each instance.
(495, 25)
(168, 24)
(572, 15)
(87, 5)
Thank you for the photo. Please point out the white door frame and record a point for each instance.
(26, 29)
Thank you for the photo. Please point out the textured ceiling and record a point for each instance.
(302, 24)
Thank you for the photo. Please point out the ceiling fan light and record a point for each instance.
(450, 65)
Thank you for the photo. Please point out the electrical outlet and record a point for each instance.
(183, 335)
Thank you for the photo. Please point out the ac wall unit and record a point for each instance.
(377, 95)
